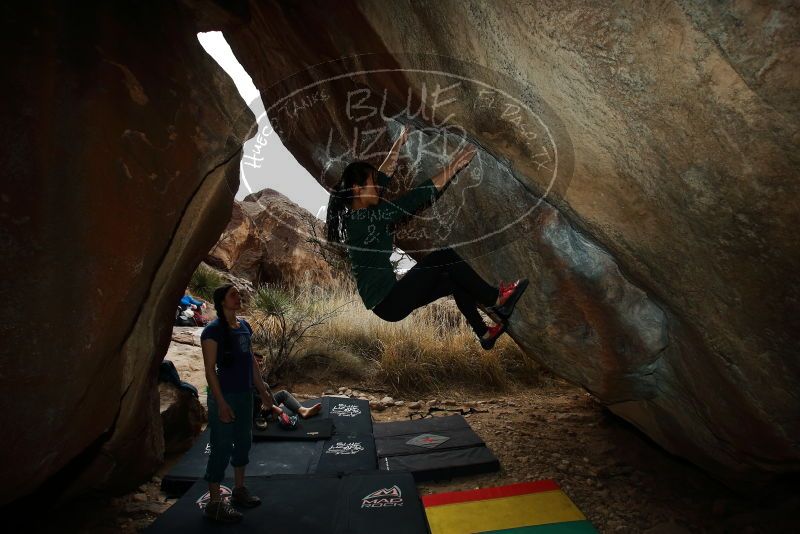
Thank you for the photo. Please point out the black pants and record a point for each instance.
(287, 399)
(442, 272)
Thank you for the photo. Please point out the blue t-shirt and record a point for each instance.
(238, 376)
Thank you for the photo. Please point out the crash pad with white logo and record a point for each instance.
(347, 453)
(359, 503)
(350, 417)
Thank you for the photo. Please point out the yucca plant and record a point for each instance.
(273, 300)
(204, 281)
(282, 317)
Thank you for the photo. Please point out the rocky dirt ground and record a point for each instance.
(619, 479)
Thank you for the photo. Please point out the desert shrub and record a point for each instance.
(282, 317)
(433, 349)
(204, 281)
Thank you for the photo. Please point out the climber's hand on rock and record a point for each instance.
(463, 157)
(404, 133)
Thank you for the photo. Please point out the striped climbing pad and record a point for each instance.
(529, 507)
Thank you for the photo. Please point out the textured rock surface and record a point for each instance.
(245, 286)
(663, 262)
(185, 352)
(122, 141)
(262, 243)
(182, 417)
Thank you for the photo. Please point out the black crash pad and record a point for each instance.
(347, 416)
(419, 426)
(318, 427)
(314, 428)
(266, 458)
(424, 435)
(364, 503)
(350, 416)
(440, 465)
(418, 443)
(433, 448)
(345, 453)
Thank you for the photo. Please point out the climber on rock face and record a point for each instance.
(359, 218)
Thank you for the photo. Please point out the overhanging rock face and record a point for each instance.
(662, 251)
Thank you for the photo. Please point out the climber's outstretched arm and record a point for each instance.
(390, 163)
(460, 160)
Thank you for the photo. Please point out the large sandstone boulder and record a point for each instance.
(653, 205)
(121, 139)
(267, 240)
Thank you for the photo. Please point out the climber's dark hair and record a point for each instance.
(339, 205)
(219, 296)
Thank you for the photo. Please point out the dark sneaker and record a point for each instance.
(260, 423)
(242, 497)
(494, 332)
(509, 295)
(222, 512)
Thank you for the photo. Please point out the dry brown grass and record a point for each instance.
(432, 349)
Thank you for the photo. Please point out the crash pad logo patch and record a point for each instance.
(429, 441)
(345, 448)
(346, 410)
(224, 491)
(383, 498)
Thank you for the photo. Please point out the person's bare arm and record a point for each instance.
(460, 160)
(390, 163)
(267, 402)
(258, 380)
(209, 347)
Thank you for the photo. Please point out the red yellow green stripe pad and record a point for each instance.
(539, 507)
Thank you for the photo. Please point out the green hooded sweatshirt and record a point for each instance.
(370, 238)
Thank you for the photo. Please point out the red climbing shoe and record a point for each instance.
(287, 422)
(509, 295)
(494, 332)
